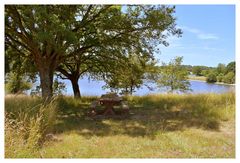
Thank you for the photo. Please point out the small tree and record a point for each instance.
(205, 72)
(221, 68)
(16, 83)
(231, 67)
(220, 77)
(229, 78)
(174, 76)
(211, 77)
(197, 70)
(128, 76)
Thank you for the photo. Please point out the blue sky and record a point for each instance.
(208, 35)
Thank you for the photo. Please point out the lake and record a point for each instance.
(89, 87)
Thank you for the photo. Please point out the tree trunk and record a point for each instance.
(46, 65)
(131, 90)
(131, 86)
(46, 79)
(75, 87)
(73, 77)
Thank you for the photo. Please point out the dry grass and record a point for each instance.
(159, 126)
(26, 128)
(201, 78)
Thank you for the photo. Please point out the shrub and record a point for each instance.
(220, 77)
(211, 78)
(229, 78)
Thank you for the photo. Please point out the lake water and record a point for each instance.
(89, 87)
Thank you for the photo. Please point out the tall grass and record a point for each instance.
(205, 109)
(25, 130)
(158, 126)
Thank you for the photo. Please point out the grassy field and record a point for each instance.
(158, 126)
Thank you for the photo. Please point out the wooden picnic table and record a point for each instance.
(109, 103)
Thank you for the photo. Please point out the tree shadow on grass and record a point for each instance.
(142, 121)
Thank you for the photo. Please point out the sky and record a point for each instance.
(208, 35)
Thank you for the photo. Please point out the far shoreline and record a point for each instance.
(219, 83)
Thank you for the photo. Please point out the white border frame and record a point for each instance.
(176, 2)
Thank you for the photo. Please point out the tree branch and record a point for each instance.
(84, 22)
(64, 72)
(19, 20)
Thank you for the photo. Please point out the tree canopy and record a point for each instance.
(126, 77)
(54, 36)
(174, 76)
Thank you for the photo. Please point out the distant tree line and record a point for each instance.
(221, 73)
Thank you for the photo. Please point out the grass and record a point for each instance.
(201, 78)
(159, 126)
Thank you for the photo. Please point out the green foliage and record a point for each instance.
(129, 75)
(205, 72)
(220, 74)
(200, 70)
(231, 67)
(19, 72)
(174, 76)
(41, 34)
(197, 70)
(220, 77)
(58, 87)
(221, 68)
(77, 38)
(211, 77)
(15, 83)
(15, 62)
(229, 78)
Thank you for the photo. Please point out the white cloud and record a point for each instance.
(200, 34)
(207, 36)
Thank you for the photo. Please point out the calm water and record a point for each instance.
(95, 88)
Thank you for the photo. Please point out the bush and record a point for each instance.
(211, 78)
(229, 78)
(220, 77)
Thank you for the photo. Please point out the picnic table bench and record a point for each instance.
(109, 101)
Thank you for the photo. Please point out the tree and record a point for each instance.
(17, 83)
(221, 68)
(19, 72)
(174, 76)
(205, 72)
(51, 34)
(231, 67)
(212, 77)
(117, 34)
(128, 76)
(41, 33)
(197, 70)
(220, 77)
(229, 78)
